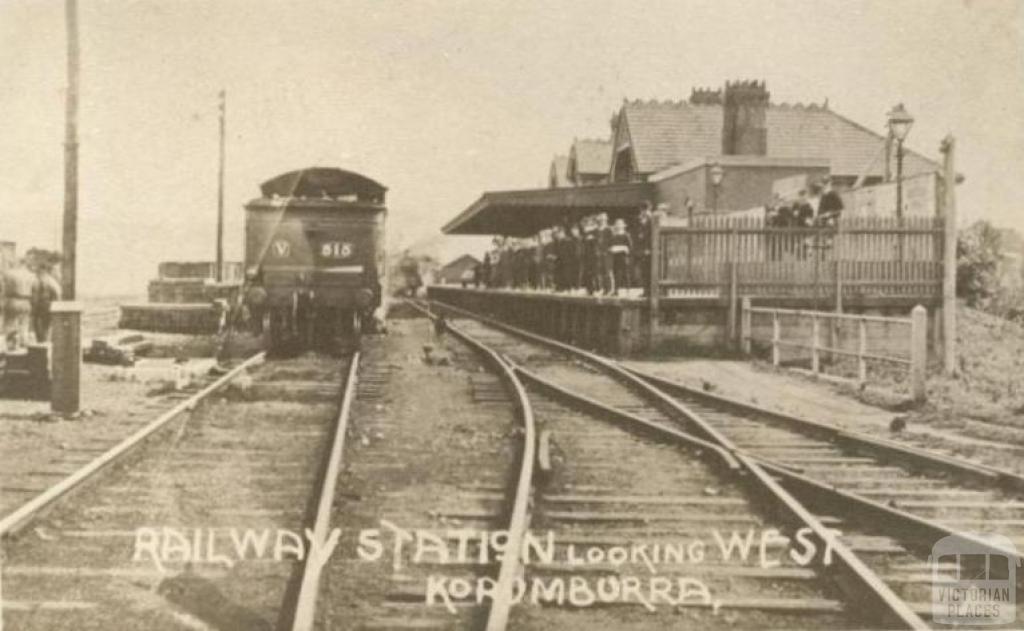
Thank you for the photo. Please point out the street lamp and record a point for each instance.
(717, 174)
(900, 122)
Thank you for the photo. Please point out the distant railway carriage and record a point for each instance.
(411, 279)
(314, 241)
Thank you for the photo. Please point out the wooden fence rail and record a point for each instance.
(858, 257)
(916, 332)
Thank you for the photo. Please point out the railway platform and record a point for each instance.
(632, 326)
(611, 325)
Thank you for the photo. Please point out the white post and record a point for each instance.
(732, 323)
(918, 352)
(815, 354)
(862, 350)
(745, 329)
(776, 338)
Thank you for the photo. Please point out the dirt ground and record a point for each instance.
(977, 414)
(37, 447)
(431, 446)
(245, 461)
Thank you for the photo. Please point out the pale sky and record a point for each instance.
(441, 100)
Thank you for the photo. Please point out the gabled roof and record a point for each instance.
(590, 157)
(462, 262)
(557, 173)
(662, 134)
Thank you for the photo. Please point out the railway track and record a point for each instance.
(880, 486)
(617, 499)
(647, 524)
(196, 521)
(891, 502)
(630, 505)
(437, 474)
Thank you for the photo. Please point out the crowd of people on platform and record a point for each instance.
(26, 293)
(594, 254)
(599, 256)
(820, 206)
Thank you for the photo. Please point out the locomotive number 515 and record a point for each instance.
(336, 250)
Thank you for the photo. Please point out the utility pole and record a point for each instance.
(948, 149)
(220, 192)
(65, 384)
(70, 232)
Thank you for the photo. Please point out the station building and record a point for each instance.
(663, 152)
(458, 271)
(711, 164)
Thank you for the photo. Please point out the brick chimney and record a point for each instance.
(705, 96)
(745, 108)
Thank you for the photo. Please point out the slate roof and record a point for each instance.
(666, 133)
(593, 157)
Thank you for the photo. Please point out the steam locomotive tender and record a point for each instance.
(314, 242)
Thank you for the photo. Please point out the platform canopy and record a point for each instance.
(525, 212)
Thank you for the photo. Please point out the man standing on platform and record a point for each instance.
(45, 291)
(503, 263)
(831, 206)
(619, 246)
(556, 258)
(574, 250)
(589, 271)
(642, 247)
(18, 283)
(604, 257)
(803, 211)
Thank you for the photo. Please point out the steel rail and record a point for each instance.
(309, 588)
(631, 421)
(855, 579)
(913, 528)
(15, 521)
(850, 566)
(982, 473)
(519, 516)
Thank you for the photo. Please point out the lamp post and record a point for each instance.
(717, 174)
(900, 122)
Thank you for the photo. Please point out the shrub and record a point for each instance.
(978, 257)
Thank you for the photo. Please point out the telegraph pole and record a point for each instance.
(948, 149)
(65, 393)
(220, 192)
(70, 232)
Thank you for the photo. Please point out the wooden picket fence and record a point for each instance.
(861, 256)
